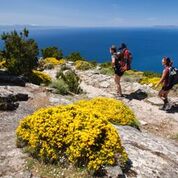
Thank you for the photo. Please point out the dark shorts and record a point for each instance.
(167, 88)
(117, 71)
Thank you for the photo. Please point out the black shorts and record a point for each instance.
(117, 71)
(167, 88)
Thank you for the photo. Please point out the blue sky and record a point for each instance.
(89, 13)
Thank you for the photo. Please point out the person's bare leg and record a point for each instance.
(118, 85)
(164, 96)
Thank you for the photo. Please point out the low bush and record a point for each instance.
(106, 68)
(75, 56)
(107, 71)
(115, 111)
(71, 79)
(54, 61)
(49, 63)
(60, 86)
(151, 74)
(83, 65)
(2, 64)
(105, 65)
(150, 81)
(38, 77)
(75, 133)
(52, 52)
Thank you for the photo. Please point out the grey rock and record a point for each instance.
(12, 80)
(114, 171)
(151, 156)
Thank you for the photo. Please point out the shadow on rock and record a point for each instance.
(138, 95)
(12, 80)
(173, 109)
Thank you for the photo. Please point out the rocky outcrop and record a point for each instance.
(8, 100)
(12, 80)
(151, 151)
(151, 156)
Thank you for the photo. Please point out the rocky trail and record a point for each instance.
(153, 151)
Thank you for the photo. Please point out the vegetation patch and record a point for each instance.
(150, 81)
(75, 133)
(60, 86)
(38, 77)
(115, 111)
(106, 68)
(75, 56)
(54, 61)
(54, 170)
(71, 79)
(2, 64)
(83, 65)
(20, 52)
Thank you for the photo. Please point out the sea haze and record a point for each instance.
(148, 45)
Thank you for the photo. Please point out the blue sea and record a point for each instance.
(148, 45)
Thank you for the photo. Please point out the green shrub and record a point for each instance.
(38, 77)
(73, 133)
(105, 65)
(20, 52)
(151, 74)
(106, 68)
(75, 56)
(71, 79)
(83, 65)
(49, 66)
(52, 52)
(107, 71)
(63, 68)
(60, 86)
(2, 64)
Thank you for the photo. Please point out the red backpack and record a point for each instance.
(126, 59)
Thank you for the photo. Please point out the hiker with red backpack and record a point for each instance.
(169, 79)
(121, 61)
(117, 69)
(126, 57)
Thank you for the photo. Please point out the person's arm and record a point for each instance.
(165, 73)
(113, 61)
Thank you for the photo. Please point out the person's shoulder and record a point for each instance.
(115, 55)
(166, 70)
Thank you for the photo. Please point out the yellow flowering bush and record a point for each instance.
(83, 65)
(50, 63)
(2, 64)
(51, 60)
(39, 77)
(115, 111)
(75, 133)
(153, 80)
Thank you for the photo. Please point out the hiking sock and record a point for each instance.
(165, 101)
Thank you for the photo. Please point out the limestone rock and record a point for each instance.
(151, 156)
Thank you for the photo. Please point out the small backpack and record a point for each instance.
(173, 76)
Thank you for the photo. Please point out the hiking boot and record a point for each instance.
(168, 107)
(162, 108)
